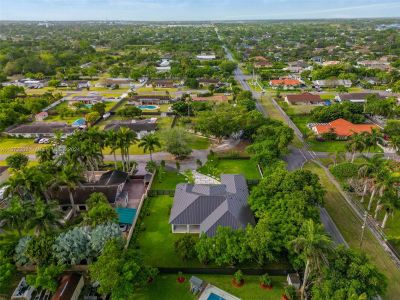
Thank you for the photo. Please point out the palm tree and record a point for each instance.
(382, 180)
(46, 216)
(355, 144)
(313, 243)
(111, 140)
(336, 156)
(390, 201)
(149, 143)
(364, 172)
(16, 214)
(126, 138)
(71, 177)
(45, 154)
(371, 139)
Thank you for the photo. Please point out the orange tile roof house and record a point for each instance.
(305, 98)
(285, 82)
(342, 128)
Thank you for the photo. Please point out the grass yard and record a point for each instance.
(157, 241)
(301, 122)
(168, 182)
(13, 145)
(166, 287)
(350, 226)
(247, 168)
(198, 142)
(272, 112)
(335, 146)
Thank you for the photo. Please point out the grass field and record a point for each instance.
(157, 241)
(350, 226)
(25, 146)
(166, 287)
(335, 146)
(247, 168)
(168, 182)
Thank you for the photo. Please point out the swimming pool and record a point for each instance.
(148, 107)
(213, 296)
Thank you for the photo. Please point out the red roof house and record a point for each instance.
(285, 82)
(343, 128)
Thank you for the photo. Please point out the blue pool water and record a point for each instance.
(212, 296)
(148, 107)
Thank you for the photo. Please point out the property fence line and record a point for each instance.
(153, 193)
(225, 271)
(144, 197)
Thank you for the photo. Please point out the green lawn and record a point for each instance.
(13, 145)
(157, 241)
(247, 168)
(350, 226)
(166, 287)
(168, 181)
(301, 122)
(198, 142)
(334, 146)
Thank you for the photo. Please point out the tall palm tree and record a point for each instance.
(149, 143)
(126, 138)
(313, 243)
(371, 139)
(355, 144)
(16, 214)
(382, 180)
(71, 177)
(45, 216)
(390, 201)
(364, 172)
(111, 140)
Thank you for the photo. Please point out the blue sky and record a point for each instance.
(169, 10)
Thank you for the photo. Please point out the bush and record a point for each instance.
(185, 247)
(290, 292)
(265, 279)
(344, 170)
(238, 276)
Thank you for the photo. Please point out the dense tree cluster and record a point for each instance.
(352, 112)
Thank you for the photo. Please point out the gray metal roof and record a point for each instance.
(211, 206)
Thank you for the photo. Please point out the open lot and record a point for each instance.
(350, 226)
(166, 287)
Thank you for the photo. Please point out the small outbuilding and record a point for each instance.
(196, 285)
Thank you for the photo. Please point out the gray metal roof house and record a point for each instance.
(201, 208)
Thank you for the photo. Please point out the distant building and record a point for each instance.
(342, 128)
(150, 99)
(39, 117)
(209, 81)
(305, 99)
(286, 83)
(39, 129)
(206, 56)
(87, 99)
(375, 64)
(140, 127)
(357, 97)
(332, 83)
(161, 83)
(112, 82)
(202, 208)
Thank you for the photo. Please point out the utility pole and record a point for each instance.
(363, 228)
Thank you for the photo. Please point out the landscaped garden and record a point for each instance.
(167, 181)
(167, 287)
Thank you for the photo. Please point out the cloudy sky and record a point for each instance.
(180, 10)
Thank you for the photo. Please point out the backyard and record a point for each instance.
(167, 287)
(168, 181)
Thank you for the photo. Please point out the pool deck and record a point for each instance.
(211, 289)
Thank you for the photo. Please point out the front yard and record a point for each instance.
(13, 145)
(247, 167)
(166, 287)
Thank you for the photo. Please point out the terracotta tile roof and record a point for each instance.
(343, 128)
(285, 81)
(305, 97)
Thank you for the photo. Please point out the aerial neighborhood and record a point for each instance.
(205, 160)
